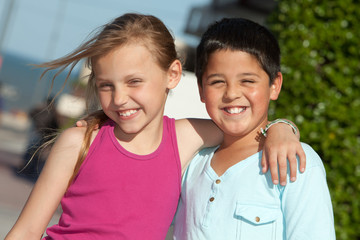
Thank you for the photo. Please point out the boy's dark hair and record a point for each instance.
(239, 34)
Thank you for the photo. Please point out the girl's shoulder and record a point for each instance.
(73, 137)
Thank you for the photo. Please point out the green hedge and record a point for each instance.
(320, 44)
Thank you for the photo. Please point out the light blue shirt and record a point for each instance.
(244, 204)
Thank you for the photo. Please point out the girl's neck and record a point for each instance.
(144, 142)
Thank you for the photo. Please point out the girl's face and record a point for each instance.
(132, 88)
(236, 92)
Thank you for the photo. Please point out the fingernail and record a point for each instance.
(293, 179)
(303, 169)
(283, 183)
(276, 182)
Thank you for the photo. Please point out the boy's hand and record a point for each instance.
(281, 144)
(81, 123)
(89, 118)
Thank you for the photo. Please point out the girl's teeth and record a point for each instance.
(128, 113)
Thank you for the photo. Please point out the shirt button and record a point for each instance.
(211, 199)
(257, 219)
(218, 181)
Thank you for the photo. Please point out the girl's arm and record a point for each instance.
(50, 187)
(281, 144)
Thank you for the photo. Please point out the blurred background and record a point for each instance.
(320, 62)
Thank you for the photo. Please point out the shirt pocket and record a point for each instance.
(257, 221)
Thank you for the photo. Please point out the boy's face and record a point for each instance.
(237, 93)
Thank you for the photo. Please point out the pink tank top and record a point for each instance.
(121, 195)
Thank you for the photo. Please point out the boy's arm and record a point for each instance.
(282, 145)
(49, 188)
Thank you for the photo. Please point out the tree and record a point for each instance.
(319, 40)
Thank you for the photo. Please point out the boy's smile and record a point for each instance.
(237, 92)
(234, 110)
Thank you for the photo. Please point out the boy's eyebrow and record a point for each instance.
(239, 75)
(249, 74)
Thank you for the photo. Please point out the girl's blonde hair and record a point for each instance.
(129, 28)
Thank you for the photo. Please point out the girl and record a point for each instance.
(123, 180)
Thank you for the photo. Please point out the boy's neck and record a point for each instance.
(235, 149)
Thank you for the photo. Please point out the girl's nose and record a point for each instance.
(120, 97)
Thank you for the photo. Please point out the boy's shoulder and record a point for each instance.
(204, 155)
(207, 151)
(312, 157)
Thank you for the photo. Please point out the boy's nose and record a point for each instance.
(232, 92)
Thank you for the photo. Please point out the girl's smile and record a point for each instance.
(132, 88)
(128, 113)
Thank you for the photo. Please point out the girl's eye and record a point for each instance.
(104, 86)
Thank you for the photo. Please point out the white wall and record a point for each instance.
(184, 100)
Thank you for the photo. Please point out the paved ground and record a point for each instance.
(14, 190)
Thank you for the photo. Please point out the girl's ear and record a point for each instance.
(275, 87)
(174, 74)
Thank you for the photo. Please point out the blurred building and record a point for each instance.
(200, 17)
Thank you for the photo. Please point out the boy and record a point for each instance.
(224, 193)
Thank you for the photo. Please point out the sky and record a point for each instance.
(44, 30)
(38, 29)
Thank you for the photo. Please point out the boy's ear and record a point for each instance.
(275, 87)
(174, 74)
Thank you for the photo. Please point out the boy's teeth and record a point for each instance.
(128, 113)
(235, 110)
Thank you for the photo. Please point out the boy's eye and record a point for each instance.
(247, 81)
(216, 82)
(134, 81)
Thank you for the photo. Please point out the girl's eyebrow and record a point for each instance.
(100, 79)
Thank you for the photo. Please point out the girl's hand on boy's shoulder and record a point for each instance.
(282, 146)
